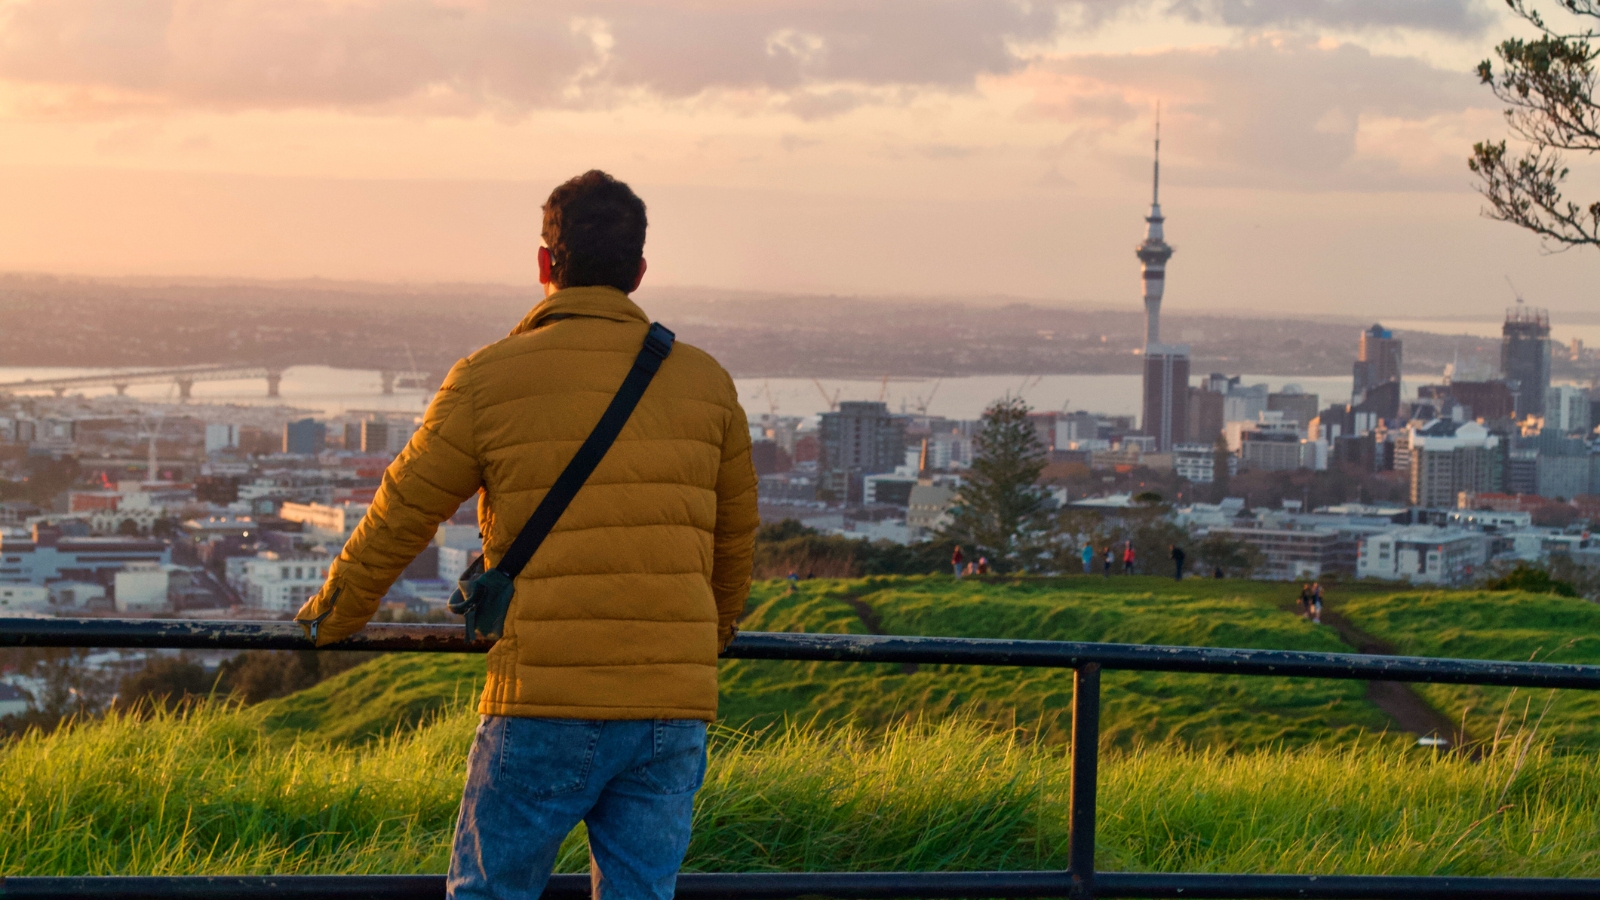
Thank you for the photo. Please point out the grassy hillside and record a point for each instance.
(218, 792)
(1213, 711)
(1495, 625)
(1197, 710)
(363, 773)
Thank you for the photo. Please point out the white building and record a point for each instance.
(12, 701)
(1244, 404)
(889, 487)
(1423, 554)
(949, 450)
(221, 437)
(928, 510)
(15, 598)
(276, 584)
(1566, 409)
(324, 523)
(1197, 463)
(140, 587)
(892, 530)
(75, 594)
(1488, 518)
(457, 544)
(51, 557)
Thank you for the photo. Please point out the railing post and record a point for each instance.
(1085, 773)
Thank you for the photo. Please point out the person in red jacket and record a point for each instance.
(1127, 559)
(956, 559)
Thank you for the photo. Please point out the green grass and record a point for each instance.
(1235, 712)
(1505, 625)
(1137, 708)
(220, 792)
(876, 768)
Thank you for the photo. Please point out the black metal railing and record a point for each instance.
(1080, 880)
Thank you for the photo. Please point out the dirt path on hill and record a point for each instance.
(1398, 699)
(869, 617)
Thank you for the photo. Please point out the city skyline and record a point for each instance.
(1318, 152)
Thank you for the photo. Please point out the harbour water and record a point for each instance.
(327, 391)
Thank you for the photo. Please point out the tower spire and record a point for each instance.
(1154, 252)
(1155, 192)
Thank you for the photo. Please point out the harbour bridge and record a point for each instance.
(185, 378)
(182, 376)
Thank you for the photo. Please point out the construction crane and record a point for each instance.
(833, 401)
(1514, 292)
(883, 389)
(922, 402)
(152, 468)
(772, 402)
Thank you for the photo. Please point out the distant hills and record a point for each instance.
(148, 322)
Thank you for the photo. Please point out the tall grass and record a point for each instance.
(215, 791)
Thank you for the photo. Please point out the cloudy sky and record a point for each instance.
(1314, 150)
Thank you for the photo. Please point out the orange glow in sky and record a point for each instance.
(1314, 152)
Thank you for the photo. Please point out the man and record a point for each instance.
(598, 693)
(1127, 559)
(956, 559)
(1178, 557)
(1088, 558)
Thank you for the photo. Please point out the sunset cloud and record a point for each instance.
(467, 56)
(1271, 111)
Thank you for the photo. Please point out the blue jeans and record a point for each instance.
(531, 781)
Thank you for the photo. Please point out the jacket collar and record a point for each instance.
(591, 302)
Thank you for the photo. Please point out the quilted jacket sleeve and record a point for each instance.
(425, 484)
(737, 522)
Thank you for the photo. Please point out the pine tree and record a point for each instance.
(1001, 509)
(1548, 84)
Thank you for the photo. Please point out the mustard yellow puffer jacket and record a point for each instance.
(623, 610)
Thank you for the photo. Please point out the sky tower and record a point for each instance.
(1154, 252)
(1166, 366)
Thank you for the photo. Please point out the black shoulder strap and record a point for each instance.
(657, 346)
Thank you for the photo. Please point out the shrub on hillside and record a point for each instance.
(257, 675)
(790, 546)
(1234, 557)
(166, 682)
(1531, 579)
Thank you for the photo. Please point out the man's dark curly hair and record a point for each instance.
(594, 227)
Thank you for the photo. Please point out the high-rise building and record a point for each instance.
(860, 438)
(1525, 358)
(1166, 366)
(1377, 363)
(305, 437)
(1295, 404)
(1566, 409)
(1166, 394)
(1448, 458)
(375, 436)
(1205, 414)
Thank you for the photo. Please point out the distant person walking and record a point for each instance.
(956, 559)
(1304, 601)
(1177, 562)
(1316, 602)
(1127, 559)
(1110, 560)
(1217, 573)
(1088, 558)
